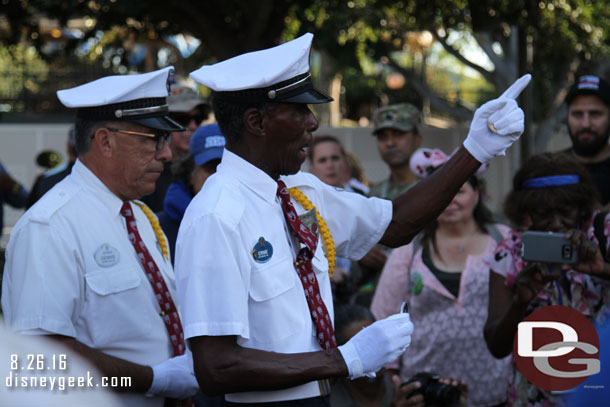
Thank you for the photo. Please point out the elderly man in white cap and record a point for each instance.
(257, 244)
(88, 264)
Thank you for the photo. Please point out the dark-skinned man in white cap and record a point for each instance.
(253, 256)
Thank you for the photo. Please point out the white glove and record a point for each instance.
(505, 116)
(174, 378)
(377, 345)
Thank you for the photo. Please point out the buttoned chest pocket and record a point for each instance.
(117, 306)
(273, 312)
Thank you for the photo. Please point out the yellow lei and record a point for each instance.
(327, 238)
(156, 227)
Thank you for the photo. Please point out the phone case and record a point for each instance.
(547, 247)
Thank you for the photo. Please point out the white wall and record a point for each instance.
(19, 146)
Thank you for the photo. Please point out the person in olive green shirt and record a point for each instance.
(397, 134)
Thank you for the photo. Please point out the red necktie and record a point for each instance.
(319, 314)
(169, 312)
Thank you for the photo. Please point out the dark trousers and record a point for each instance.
(311, 402)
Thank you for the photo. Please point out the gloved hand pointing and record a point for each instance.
(497, 124)
(377, 345)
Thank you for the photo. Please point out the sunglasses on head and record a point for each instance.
(184, 119)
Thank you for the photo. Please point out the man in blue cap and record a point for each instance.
(257, 244)
(190, 173)
(88, 265)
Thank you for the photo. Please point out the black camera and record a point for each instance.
(435, 393)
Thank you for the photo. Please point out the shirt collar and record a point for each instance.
(249, 175)
(87, 179)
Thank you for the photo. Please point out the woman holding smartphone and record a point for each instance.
(443, 274)
(552, 193)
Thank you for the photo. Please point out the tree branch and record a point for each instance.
(502, 69)
(459, 112)
(443, 41)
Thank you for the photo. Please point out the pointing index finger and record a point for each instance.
(516, 88)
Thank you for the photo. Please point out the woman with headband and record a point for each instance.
(444, 276)
(553, 193)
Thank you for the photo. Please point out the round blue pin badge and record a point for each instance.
(262, 251)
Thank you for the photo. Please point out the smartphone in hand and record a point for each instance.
(547, 247)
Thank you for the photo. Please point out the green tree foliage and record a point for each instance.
(365, 41)
(21, 70)
(553, 39)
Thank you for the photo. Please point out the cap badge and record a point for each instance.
(106, 256)
(262, 251)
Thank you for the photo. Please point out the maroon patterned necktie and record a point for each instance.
(169, 312)
(319, 314)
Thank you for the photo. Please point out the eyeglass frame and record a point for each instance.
(160, 138)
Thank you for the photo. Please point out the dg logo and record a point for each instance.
(556, 348)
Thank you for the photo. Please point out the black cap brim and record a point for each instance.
(298, 89)
(163, 123)
(310, 96)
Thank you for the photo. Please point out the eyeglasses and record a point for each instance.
(161, 138)
(184, 119)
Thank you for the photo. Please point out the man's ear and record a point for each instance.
(105, 141)
(253, 122)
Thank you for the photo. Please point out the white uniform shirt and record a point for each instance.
(71, 270)
(223, 290)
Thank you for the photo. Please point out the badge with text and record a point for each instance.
(556, 348)
(309, 219)
(106, 256)
(262, 251)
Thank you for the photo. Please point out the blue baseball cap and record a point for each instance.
(207, 143)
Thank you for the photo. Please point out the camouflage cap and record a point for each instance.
(402, 116)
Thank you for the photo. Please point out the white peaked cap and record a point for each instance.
(117, 89)
(281, 74)
(139, 98)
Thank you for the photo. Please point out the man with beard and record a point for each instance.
(589, 127)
